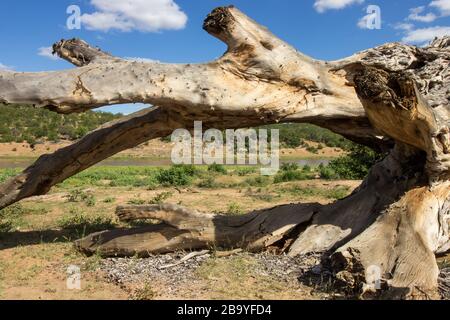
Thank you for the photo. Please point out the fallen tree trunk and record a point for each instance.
(394, 98)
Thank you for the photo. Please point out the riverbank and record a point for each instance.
(153, 153)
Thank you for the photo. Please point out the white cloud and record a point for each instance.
(324, 5)
(47, 52)
(442, 5)
(404, 26)
(415, 15)
(5, 67)
(422, 36)
(142, 15)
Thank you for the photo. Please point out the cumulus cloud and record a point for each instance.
(404, 26)
(416, 15)
(142, 15)
(5, 67)
(324, 5)
(442, 5)
(47, 52)
(425, 35)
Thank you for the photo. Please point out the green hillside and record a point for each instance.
(22, 123)
(34, 125)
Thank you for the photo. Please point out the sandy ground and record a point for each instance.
(34, 258)
(152, 149)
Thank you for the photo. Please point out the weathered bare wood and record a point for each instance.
(394, 94)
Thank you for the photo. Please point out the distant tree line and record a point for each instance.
(34, 125)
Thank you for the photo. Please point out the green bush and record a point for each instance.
(217, 168)
(289, 167)
(292, 175)
(328, 174)
(259, 181)
(353, 166)
(208, 183)
(178, 175)
(161, 197)
(234, 209)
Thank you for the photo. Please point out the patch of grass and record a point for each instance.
(235, 268)
(83, 223)
(5, 174)
(11, 218)
(234, 209)
(132, 176)
(78, 195)
(161, 197)
(136, 201)
(335, 193)
(245, 171)
(109, 200)
(29, 273)
(145, 292)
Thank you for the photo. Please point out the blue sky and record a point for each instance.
(171, 30)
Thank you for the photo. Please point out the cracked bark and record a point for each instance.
(393, 97)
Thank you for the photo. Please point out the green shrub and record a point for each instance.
(328, 173)
(217, 168)
(161, 197)
(234, 209)
(178, 175)
(245, 171)
(289, 167)
(312, 149)
(356, 164)
(259, 181)
(292, 175)
(208, 183)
